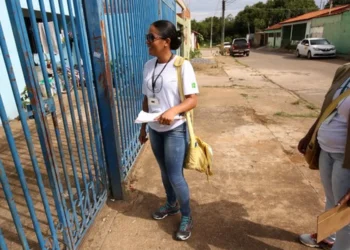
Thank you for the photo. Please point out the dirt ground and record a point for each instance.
(262, 194)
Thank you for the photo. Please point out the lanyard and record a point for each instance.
(155, 80)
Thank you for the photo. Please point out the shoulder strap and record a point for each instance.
(179, 61)
(330, 109)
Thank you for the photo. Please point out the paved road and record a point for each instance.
(309, 79)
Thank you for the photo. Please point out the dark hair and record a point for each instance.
(168, 30)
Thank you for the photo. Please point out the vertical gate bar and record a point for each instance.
(3, 245)
(85, 100)
(77, 100)
(116, 78)
(130, 48)
(22, 43)
(26, 130)
(22, 179)
(128, 83)
(105, 97)
(65, 120)
(139, 54)
(122, 36)
(63, 112)
(91, 90)
(13, 209)
(134, 147)
(120, 75)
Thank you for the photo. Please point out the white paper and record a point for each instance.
(145, 117)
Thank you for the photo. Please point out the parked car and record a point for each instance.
(227, 45)
(240, 46)
(315, 47)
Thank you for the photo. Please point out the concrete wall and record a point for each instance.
(336, 29)
(5, 87)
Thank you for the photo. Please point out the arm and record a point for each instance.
(145, 109)
(188, 104)
(143, 134)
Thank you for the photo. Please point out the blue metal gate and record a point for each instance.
(57, 182)
(127, 24)
(75, 139)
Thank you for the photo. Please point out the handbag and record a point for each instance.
(312, 150)
(199, 155)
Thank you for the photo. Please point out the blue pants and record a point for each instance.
(170, 150)
(336, 183)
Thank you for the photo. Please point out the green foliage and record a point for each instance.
(338, 2)
(254, 18)
(195, 54)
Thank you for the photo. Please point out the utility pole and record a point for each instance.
(223, 24)
(211, 33)
(330, 6)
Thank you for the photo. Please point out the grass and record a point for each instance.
(284, 114)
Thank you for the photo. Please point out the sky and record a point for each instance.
(200, 9)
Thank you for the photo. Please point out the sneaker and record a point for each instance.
(310, 240)
(185, 229)
(166, 210)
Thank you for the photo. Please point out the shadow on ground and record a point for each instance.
(221, 224)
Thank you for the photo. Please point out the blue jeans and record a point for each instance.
(336, 183)
(170, 150)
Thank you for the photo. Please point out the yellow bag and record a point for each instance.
(199, 155)
(311, 154)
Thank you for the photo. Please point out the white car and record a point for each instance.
(315, 47)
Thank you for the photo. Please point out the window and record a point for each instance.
(320, 42)
(304, 42)
(278, 34)
(271, 35)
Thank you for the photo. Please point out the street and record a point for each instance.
(262, 194)
(308, 78)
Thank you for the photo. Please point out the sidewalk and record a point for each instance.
(261, 196)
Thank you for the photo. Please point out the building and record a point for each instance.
(298, 28)
(183, 20)
(274, 36)
(5, 86)
(334, 27)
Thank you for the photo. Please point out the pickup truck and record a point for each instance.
(240, 46)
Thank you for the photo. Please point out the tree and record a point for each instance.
(253, 18)
(337, 2)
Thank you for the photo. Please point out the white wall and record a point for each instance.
(36, 5)
(5, 87)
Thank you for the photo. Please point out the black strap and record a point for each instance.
(155, 80)
(345, 87)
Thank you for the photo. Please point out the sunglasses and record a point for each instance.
(151, 38)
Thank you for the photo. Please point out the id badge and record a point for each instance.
(152, 101)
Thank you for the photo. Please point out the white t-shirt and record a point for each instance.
(333, 132)
(166, 88)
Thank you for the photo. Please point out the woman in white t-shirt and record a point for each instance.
(168, 136)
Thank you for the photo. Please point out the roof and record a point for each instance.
(275, 27)
(318, 13)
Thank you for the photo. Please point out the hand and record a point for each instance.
(303, 145)
(143, 136)
(167, 117)
(345, 200)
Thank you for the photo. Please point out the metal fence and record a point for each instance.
(127, 24)
(75, 139)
